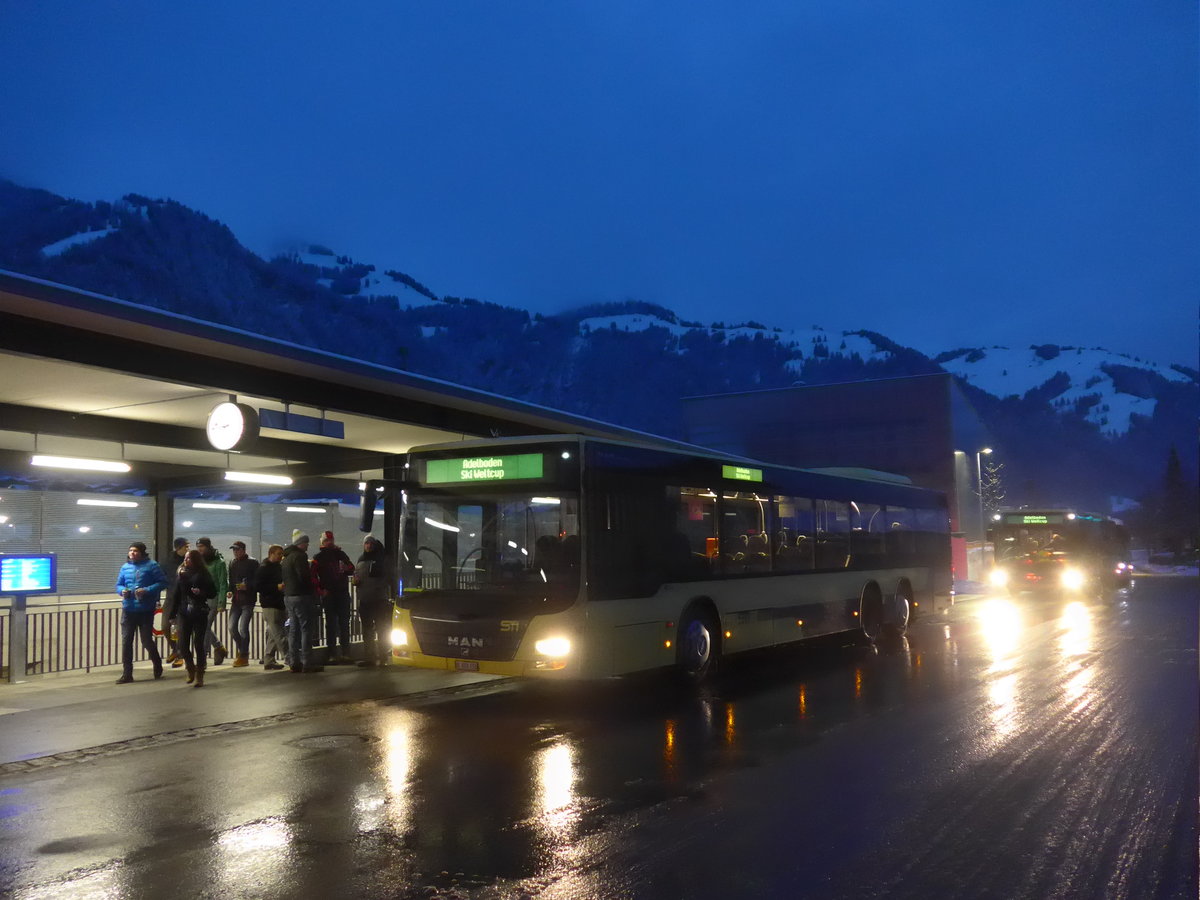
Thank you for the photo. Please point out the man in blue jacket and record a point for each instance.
(139, 583)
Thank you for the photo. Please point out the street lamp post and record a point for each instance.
(979, 485)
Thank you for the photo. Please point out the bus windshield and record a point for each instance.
(515, 542)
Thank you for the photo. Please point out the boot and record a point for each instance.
(241, 660)
(199, 678)
(191, 669)
(219, 655)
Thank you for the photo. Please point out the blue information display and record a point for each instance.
(28, 573)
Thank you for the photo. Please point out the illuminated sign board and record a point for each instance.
(741, 473)
(28, 573)
(520, 467)
(1033, 519)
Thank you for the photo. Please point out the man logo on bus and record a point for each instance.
(465, 643)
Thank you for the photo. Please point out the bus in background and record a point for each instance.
(572, 557)
(1058, 549)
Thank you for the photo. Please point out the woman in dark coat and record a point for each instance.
(193, 594)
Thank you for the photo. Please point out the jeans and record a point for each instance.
(240, 617)
(193, 625)
(143, 624)
(275, 640)
(337, 624)
(302, 618)
(376, 618)
(211, 641)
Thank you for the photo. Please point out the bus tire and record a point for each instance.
(895, 626)
(699, 644)
(870, 611)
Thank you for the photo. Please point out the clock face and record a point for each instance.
(226, 425)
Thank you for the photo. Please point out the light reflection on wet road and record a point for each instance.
(1019, 748)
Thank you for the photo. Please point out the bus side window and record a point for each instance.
(745, 524)
(867, 535)
(792, 543)
(833, 534)
(901, 539)
(696, 523)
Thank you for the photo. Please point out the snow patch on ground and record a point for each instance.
(75, 240)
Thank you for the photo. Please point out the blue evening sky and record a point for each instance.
(947, 173)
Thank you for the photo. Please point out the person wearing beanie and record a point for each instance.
(170, 566)
(299, 600)
(139, 584)
(333, 569)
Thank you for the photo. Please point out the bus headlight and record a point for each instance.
(1072, 579)
(555, 647)
(399, 637)
(998, 578)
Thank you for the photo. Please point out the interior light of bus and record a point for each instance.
(546, 501)
(554, 647)
(729, 634)
(800, 623)
(855, 613)
(996, 517)
(442, 525)
(667, 645)
(915, 604)
(542, 572)
(566, 454)
(513, 544)
(399, 637)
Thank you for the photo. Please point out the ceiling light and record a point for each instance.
(73, 462)
(257, 478)
(84, 501)
(215, 506)
(307, 509)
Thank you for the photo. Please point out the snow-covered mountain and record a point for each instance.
(1117, 414)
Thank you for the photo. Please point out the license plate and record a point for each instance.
(466, 665)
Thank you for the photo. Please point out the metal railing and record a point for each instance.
(84, 635)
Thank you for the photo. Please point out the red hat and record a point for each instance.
(326, 538)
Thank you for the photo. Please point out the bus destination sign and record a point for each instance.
(521, 466)
(1033, 519)
(741, 473)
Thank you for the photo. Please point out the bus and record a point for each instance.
(572, 557)
(1058, 550)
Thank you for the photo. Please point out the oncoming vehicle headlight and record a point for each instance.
(998, 577)
(399, 637)
(555, 647)
(1072, 579)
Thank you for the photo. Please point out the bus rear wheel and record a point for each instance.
(698, 648)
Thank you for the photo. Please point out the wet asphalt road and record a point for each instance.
(1033, 748)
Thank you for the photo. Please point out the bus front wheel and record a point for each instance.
(698, 647)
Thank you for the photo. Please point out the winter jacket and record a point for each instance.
(170, 567)
(145, 574)
(333, 568)
(297, 576)
(242, 571)
(188, 603)
(266, 582)
(219, 572)
(374, 576)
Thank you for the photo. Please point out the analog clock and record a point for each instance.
(232, 426)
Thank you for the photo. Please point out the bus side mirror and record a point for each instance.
(366, 505)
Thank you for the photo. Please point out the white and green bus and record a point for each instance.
(571, 557)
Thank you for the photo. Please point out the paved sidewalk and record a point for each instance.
(52, 715)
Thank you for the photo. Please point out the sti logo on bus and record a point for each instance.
(523, 466)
